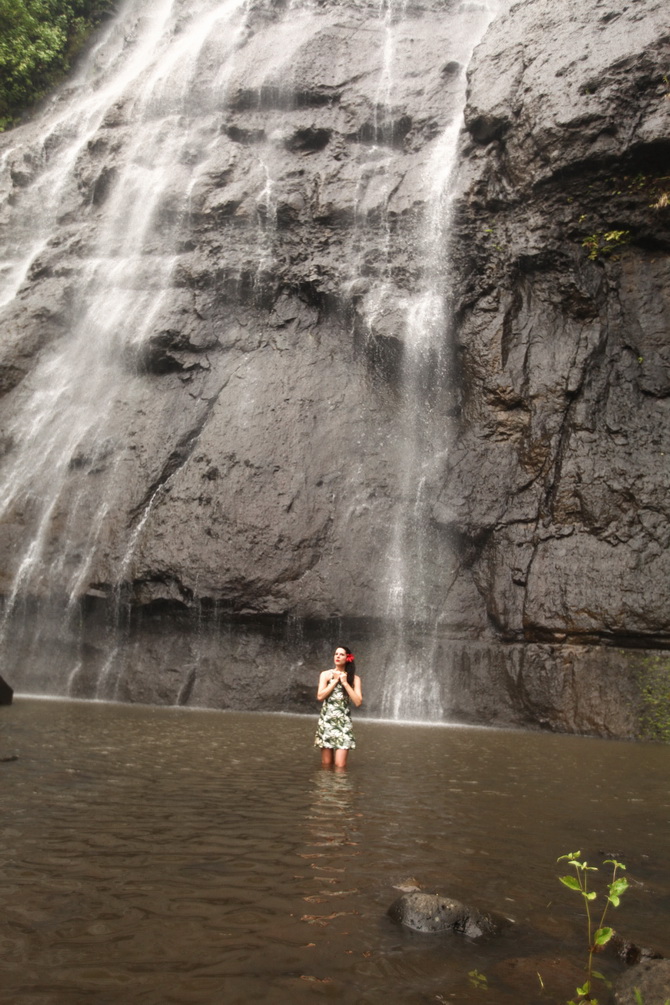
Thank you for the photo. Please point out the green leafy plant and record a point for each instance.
(654, 680)
(39, 39)
(478, 980)
(600, 935)
(604, 243)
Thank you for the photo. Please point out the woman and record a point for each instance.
(337, 687)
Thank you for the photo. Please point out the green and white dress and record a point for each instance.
(334, 729)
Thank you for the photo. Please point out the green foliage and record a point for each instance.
(639, 1000)
(493, 238)
(621, 198)
(654, 680)
(38, 41)
(604, 243)
(602, 934)
(478, 980)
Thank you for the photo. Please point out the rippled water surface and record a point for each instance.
(168, 855)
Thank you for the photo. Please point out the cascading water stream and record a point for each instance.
(69, 402)
(114, 184)
(412, 687)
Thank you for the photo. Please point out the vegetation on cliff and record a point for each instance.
(38, 41)
(654, 679)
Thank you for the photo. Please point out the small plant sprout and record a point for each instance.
(639, 1000)
(602, 934)
(478, 980)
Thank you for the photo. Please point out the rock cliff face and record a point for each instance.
(251, 424)
(210, 377)
(557, 492)
(564, 356)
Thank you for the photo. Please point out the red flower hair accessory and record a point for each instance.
(350, 658)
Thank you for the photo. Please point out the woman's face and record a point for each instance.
(340, 658)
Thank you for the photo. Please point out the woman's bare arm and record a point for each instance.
(356, 692)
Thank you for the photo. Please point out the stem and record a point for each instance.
(588, 919)
(592, 948)
(607, 902)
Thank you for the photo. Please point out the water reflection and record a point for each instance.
(331, 843)
(166, 855)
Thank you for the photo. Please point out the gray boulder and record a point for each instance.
(432, 913)
(629, 952)
(651, 978)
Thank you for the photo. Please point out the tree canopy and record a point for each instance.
(38, 42)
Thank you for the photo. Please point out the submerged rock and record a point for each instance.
(651, 978)
(629, 952)
(432, 913)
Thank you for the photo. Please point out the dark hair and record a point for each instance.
(351, 666)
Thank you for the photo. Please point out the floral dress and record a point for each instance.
(334, 729)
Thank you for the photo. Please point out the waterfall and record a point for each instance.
(413, 688)
(143, 71)
(151, 210)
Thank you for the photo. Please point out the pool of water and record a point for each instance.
(154, 855)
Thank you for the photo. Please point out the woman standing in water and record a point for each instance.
(337, 687)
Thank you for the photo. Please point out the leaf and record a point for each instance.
(585, 988)
(638, 996)
(614, 900)
(602, 936)
(591, 896)
(601, 977)
(478, 980)
(570, 856)
(619, 886)
(570, 882)
(613, 861)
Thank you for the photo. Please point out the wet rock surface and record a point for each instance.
(557, 491)
(433, 914)
(649, 979)
(250, 454)
(629, 952)
(252, 458)
(6, 693)
(169, 656)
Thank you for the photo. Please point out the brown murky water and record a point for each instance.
(166, 855)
